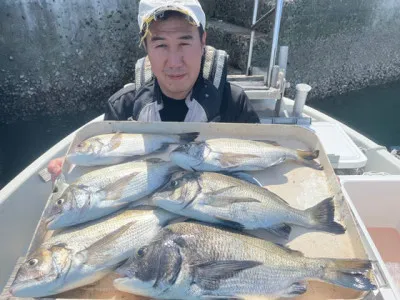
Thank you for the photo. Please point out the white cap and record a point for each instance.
(150, 9)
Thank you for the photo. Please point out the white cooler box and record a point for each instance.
(375, 202)
(342, 152)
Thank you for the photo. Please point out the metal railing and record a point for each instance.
(274, 49)
(276, 76)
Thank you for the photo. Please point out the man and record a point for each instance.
(172, 33)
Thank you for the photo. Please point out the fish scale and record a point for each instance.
(87, 234)
(215, 263)
(139, 144)
(88, 261)
(113, 148)
(233, 155)
(217, 198)
(106, 190)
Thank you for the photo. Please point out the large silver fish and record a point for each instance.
(197, 261)
(221, 199)
(84, 254)
(106, 190)
(108, 149)
(237, 155)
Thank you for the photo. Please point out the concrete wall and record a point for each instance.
(342, 45)
(66, 55)
(334, 45)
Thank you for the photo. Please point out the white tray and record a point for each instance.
(301, 186)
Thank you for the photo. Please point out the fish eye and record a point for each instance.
(60, 201)
(174, 183)
(33, 262)
(82, 145)
(141, 252)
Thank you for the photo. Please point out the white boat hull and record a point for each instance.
(23, 199)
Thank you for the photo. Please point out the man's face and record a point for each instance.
(175, 49)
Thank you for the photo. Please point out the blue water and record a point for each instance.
(372, 111)
(22, 142)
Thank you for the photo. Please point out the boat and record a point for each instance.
(368, 173)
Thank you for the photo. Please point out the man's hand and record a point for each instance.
(55, 166)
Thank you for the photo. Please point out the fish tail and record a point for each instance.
(322, 217)
(188, 137)
(350, 273)
(307, 158)
(308, 155)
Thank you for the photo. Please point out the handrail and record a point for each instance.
(275, 39)
(255, 10)
(274, 49)
(262, 18)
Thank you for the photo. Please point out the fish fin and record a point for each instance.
(116, 141)
(350, 273)
(229, 223)
(279, 198)
(308, 155)
(84, 187)
(230, 160)
(290, 251)
(71, 167)
(163, 148)
(125, 268)
(154, 160)
(281, 230)
(307, 159)
(59, 183)
(270, 142)
(224, 201)
(213, 297)
(220, 191)
(244, 176)
(297, 288)
(209, 273)
(61, 179)
(101, 250)
(146, 201)
(97, 139)
(115, 189)
(188, 137)
(322, 217)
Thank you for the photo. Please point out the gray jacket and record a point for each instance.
(212, 99)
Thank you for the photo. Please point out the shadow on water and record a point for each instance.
(24, 141)
(373, 111)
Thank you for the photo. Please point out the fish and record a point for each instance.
(114, 148)
(83, 254)
(230, 155)
(221, 199)
(190, 260)
(103, 191)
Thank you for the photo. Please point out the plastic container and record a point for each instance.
(342, 152)
(375, 201)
